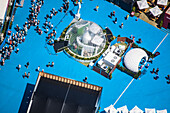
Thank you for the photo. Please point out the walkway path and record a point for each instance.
(160, 43)
(123, 91)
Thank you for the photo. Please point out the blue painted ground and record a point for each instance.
(144, 92)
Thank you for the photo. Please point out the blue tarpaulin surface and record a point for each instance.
(145, 92)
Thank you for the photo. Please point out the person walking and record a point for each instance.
(115, 20)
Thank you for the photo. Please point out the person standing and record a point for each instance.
(48, 64)
(168, 77)
(85, 79)
(52, 64)
(17, 50)
(19, 67)
(38, 68)
(121, 25)
(147, 66)
(153, 70)
(150, 60)
(27, 64)
(157, 76)
(157, 70)
(127, 16)
(113, 13)
(97, 7)
(137, 18)
(28, 75)
(25, 74)
(115, 20)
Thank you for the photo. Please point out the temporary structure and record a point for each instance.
(166, 21)
(155, 11)
(142, 4)
(136, 110)
(4, 5)
(133, 58)
(148, 110)
(162, 111)
(122, 109)
(162, 2)
(110, 109)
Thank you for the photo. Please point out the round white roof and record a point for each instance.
(133, 58)
(86, 39)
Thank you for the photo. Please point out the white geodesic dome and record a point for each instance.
(133, 58)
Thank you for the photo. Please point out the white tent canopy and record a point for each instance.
(136, 110)
(122, 109)
(110, 109)
(94, 28)
(162, 111)
(133, 58)
(155, 11)
(97, 40)
(4, 4)
(162, 2)
(149, 110)
(111, 59)
(142, 4)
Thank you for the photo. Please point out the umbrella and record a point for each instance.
(122, 109)
(155, 11)
(161, 111)
(162, 2)
(147, 110)
(142, 4)
(136, 110)
(110, 109)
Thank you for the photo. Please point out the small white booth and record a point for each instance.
(111, 59)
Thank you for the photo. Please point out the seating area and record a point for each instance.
(151, 8)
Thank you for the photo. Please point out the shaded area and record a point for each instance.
(26, 98)
(51, 96)
(60, 45)
(124, 4)
(109, 34)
